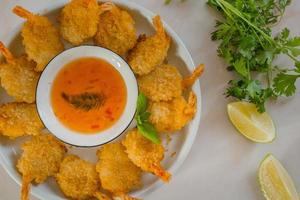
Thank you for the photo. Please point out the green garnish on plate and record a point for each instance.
(141, 117)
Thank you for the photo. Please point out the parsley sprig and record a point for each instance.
(142, 116)
(249, 49)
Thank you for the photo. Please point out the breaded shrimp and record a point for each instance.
(78, 179)
(40, 38)
(150, 52)
(117, 173)
(18, 119)
(79, 20)
(145, 154)
(172, 115)
(116, 30)
(165, 82)
(162, 84)
(18, 77)
(41, 158)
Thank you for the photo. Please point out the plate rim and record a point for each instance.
(188, 143)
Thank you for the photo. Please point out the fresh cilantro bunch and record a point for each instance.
(247, 45)
(141, 117)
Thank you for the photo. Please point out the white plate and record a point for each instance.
(181, 142)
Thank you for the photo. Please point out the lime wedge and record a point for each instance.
(274, 180)
(255, 126)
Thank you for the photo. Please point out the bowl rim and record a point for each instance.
(66, 128)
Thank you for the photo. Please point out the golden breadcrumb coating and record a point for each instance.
(117, 173)
(40, 38)
(172, 115)
(165, 82)
(79, 20)
(145, 154)
(78, 178)
(150, 52)
(18, 77)
(18, 119)
(40, 159)
(116, 30)
(162, 84)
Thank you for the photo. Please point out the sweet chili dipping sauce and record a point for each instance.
(88, 95)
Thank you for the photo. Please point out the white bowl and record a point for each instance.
(45, 109)
(179, 56)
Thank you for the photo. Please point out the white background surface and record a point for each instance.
(222, 163)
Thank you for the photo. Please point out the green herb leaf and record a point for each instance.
(246, 46)
(265, 56)
(168, 1)
(145, 116)
(284, 84)
(294, 42)
(141, 103)
(240, 67)
(284, 3)
(297, 65)
(254, 88)
(295, 51)
(142, 116)
(149, 132)
(226, 54)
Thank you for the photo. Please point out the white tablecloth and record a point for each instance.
(222, 164)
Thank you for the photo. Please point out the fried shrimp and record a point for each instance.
(40, 38)
(150, 52)
(79, 20)
(18, 77)
(165, 82)
(41, 158)
(172, 115)
(117, 173)
(162, 84)
(75, 173)
(18, 119)
(116, 30)
(145, 154)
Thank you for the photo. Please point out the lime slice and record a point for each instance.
(274, 180)
(255, 126)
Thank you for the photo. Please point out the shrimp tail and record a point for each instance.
(6, 53)
(25, 188)
(159, 26)
(190, 80)
(22, 12)
(161, 173)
